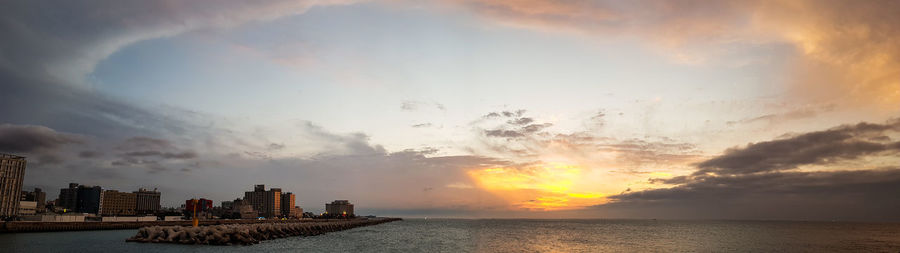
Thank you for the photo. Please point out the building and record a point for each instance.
(339, 208)
(287, 203)
(267, 203)
(238, 209)
(296, 212)
(12, 173)
(203, 207)
(27, 208)
(289, 207)
(68, 198)
(228, 205)
(147, 202)
(116, 203)
(88, 199)
(37, 196)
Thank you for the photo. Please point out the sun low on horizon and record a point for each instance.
(463, 108)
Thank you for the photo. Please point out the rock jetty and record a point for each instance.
(245, 234)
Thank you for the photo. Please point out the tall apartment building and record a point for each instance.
(339, 207)
(147, 201)
(287, 203)
(267, 203)
(289, 206)
(12, 173)
(116, 203)
(38, 196)
(68, 198)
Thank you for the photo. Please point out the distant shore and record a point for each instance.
(37, 226)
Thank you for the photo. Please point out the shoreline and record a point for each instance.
(38, 226)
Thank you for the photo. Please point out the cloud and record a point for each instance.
(515, 127)
(31, 138)
(847, 195)
(89, 154)
(586, 147)
(840, 143)
(67, 45)
(842, 51)
(760, 181)
(507, 114)
(411, 105)
(520, 121)
(503, 133)
(422, 125)
(801, 113)
(275, 146)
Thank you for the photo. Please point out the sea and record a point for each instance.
(512, 235)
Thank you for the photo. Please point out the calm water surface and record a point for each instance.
(416, 235)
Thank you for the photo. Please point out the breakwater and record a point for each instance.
(34, 226)
(245, 234)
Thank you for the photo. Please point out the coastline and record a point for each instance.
(38, 226)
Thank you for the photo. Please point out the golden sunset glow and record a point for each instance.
(546, 187)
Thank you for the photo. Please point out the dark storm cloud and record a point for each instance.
(165, 155)
(840, 143)
(30, 138)
(89, 154)
(150, 152)
(756, 182)
(73, 110)
(856, 195)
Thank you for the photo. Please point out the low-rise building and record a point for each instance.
(339, 208)
(116, 203)
(27, 207)
(147, 202)
(38, 196)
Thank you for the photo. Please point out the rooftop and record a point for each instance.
(8, 156)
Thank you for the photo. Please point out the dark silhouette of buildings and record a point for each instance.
(80, 198)
(68, 198)
(88, 199)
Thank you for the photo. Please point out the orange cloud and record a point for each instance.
(846, 51)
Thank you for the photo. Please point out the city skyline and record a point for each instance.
(466, 109)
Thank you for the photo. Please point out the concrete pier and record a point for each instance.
(245, 234)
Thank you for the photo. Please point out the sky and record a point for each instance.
(466, 109)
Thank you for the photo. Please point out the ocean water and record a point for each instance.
(460, 235)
